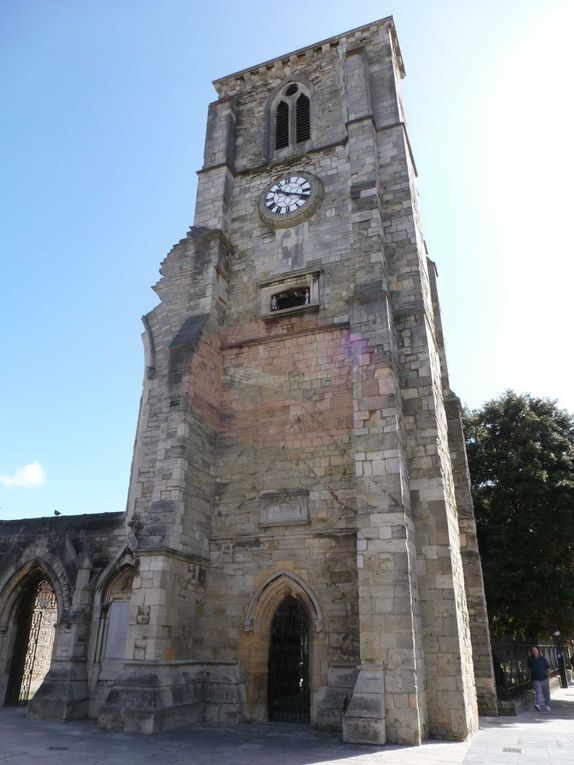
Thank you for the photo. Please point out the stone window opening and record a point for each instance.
(292, 117)
(291, 294)
(290, 298)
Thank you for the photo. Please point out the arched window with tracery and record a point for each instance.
(291, 117)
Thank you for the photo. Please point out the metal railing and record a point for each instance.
(511, 667)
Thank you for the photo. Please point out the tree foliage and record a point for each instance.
(521, 459)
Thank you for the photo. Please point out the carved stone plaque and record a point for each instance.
(284, 507)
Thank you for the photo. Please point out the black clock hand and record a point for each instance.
(294, 193)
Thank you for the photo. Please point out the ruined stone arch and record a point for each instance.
(255, 640)
(13, 581)
(13, 594)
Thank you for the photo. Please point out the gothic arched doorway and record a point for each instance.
(288, 676)
(35, 617)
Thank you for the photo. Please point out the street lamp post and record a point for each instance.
(560, 659)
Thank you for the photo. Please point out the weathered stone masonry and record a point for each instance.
(310, 456)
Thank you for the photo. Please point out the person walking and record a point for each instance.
(539, 675)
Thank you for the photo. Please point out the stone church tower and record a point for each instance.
(300, 540)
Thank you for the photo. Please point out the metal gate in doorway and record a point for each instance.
(36, 620)
(43, 611)
(288, 679)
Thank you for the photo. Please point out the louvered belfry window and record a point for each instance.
(282, 126)
(303, 118)
(292, 117)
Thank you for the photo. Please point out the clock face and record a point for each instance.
(288, 195)
(290, 199)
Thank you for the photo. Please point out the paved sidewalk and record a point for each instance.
(531, 737)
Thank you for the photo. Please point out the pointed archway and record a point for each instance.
(35, 618)
(282, 652)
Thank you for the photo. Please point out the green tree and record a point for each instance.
(521, 459)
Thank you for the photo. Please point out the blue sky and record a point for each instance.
(104, 108)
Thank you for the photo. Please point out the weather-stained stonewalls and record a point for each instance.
(297, 439)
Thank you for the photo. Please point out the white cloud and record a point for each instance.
(27, 476)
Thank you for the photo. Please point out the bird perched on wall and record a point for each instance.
(57, 512)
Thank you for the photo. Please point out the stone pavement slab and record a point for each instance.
(531, 737)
